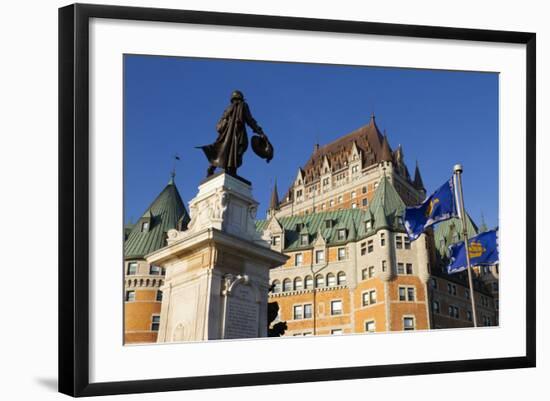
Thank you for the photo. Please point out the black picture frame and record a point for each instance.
(74, 198)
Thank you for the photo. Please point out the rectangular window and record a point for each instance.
(449, 288)
(336, 332)
(371, 271)
(365, 202)
(382, 239)
(308, 311)
(406, 294)
(276, 240)
(340, 199)
(341, 235)
(130, 296)
(436, 307)
(372, 297)
(363, 248)
(407, 242)
(353, 194)
(364, 190)
(370, 246)
(370, 326)
(495, 286)
(409, 268)
(336, 307)
(341, 253)
(368, 225)
(408, 323)
(155, 270)
(155, 323)
(400, 268)
(433, 282)
(304, 239)
(364, 274)
(467, 294)
(454, 289)
(384, 266)
(298, 258)
(365, 298)
(319, 256)
(144, 226)
(132, 268)
(469, 315)
(402, 294)
(159, 296)
(298, 312)
(399, 242)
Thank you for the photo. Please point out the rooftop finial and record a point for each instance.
(372, 116)
(173, 172)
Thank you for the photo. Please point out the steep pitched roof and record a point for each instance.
(387, 206)
(166, 212)
(368, 140)
(385, 153)
(449, 232)
(417, 182)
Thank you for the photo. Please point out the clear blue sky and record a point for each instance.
(439, 117)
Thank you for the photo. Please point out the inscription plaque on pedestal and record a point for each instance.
(242, 313)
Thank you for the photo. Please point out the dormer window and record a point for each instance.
(304, 239)
(145, 227)
(342, 234)
(299, 226)
(368, 225)
(328, 223)
(276, 240)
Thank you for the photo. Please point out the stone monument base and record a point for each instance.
(217, 271)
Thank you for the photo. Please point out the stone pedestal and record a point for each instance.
(217, 271)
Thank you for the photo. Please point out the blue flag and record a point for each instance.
(439, 206)
(483, 250)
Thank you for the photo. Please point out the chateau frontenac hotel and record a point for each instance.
(351, 266)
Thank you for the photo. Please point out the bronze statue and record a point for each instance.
(227, 152)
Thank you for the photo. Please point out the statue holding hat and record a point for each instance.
(228, 149)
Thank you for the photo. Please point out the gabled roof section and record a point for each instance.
(163, 214)
(367, 139)
(385, 153)
(386, 206)
(350, 219)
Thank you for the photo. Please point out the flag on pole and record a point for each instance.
(483, 250)
(439, 206)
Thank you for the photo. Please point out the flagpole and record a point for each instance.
(458, 174)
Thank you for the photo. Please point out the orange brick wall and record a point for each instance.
(138, 316)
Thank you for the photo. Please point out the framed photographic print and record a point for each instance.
(250, 189)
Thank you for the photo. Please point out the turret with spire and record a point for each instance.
(417, 182)
(274, 201)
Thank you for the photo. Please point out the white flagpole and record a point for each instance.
(461, 210)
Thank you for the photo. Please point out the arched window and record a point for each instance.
(331, 280)
(287, 285)
(276, 286)
(298, 283)
(319, 281)
(341, 278)
(308, 282)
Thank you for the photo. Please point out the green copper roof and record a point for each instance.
(385, 209)
(449, 232)
(166, 212)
